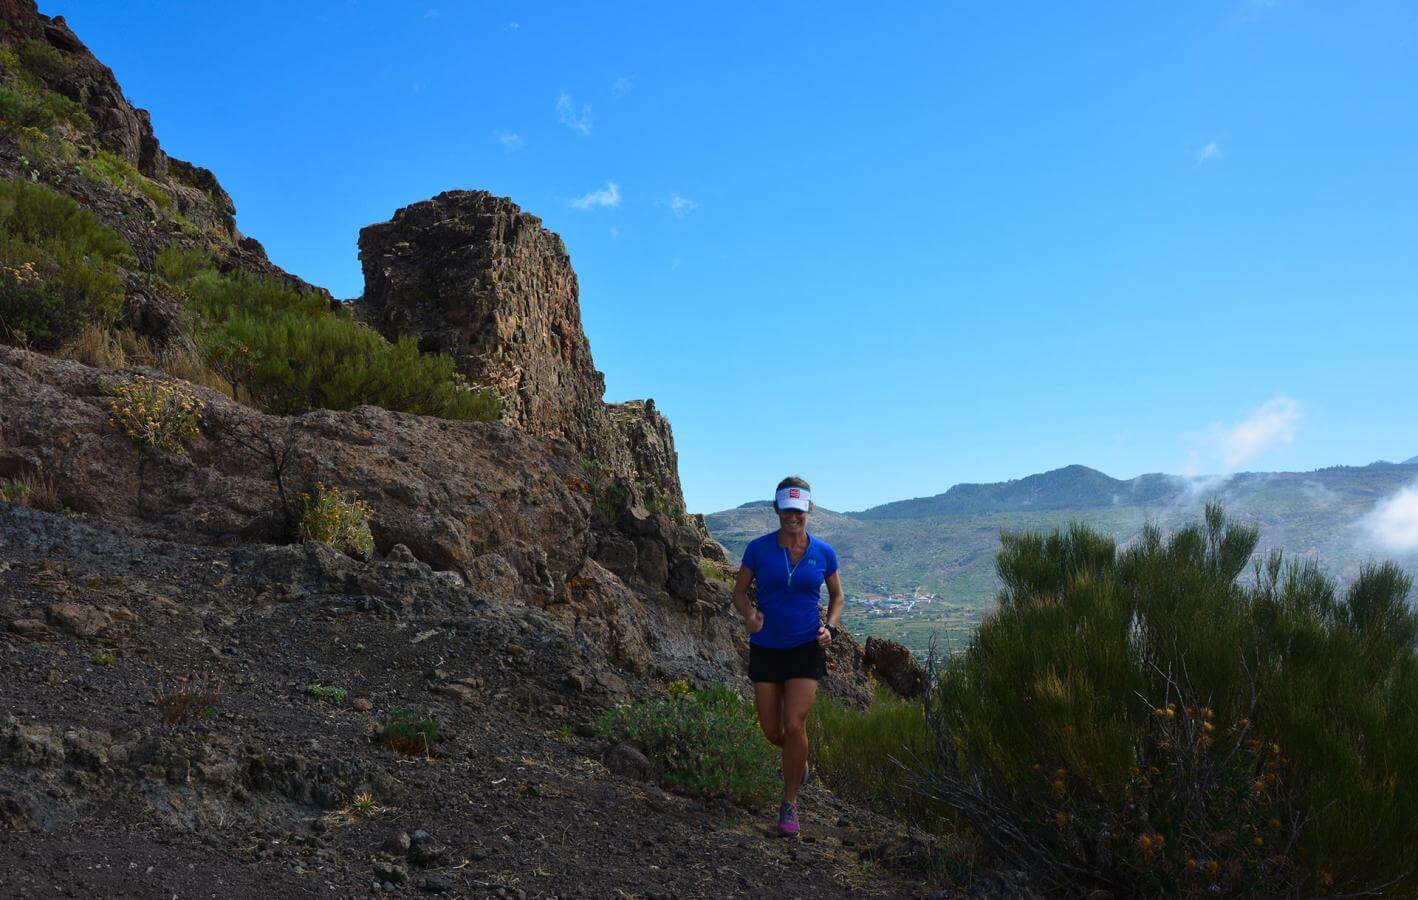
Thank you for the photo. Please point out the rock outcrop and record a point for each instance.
(473, 276)
(896, 667)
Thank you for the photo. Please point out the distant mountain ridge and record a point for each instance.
(1072, 487)
(946, 543)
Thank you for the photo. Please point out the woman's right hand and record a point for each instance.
(754, 621)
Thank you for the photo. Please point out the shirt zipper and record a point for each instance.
(788, 561)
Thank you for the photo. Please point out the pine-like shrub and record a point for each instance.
(1144, 721)
(702, 744)
(58, 266)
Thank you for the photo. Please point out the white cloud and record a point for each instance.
(622, 86)
(1211, 151)
(1394, 522)
(681, 206)
(513, 26)
(576, 121)
(1273, 424)
(607, 196)
(510, 140)
(432, 14)
(615, 231)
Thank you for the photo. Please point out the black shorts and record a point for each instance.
(777, 666)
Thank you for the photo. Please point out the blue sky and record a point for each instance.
(890, 247)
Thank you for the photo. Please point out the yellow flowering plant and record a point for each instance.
(154, 413)
(338, 518)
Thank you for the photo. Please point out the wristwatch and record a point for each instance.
(832, 630)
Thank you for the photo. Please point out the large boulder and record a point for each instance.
(894, 665)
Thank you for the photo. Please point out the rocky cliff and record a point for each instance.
(474, 276)
(101, 150)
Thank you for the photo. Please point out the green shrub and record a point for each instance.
(1143, 720)
(156, 414)
(292, 353)
(41, 59)
(406, 731)
(326, 691)
(103, 658)
(120, 173)
(866, 757)
(218, 296)
(292, 362)
(58, 266)
(38, 107)
(703, 744)
(179, 265)
(336, 518)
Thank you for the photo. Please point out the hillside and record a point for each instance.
(946, 544)
(304, 598)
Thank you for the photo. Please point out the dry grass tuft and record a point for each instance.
(96, 345)
(193, 697)
(32, 489)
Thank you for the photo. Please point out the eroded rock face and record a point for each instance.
(471, 275)
(492, 509)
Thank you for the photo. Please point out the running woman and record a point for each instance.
(788, 638)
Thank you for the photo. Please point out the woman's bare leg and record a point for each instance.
(768, 700)
(798, 694)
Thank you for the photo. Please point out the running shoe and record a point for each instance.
(788, 820)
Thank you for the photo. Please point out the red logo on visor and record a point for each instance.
(795, 494)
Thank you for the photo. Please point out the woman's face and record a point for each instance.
(792, 521)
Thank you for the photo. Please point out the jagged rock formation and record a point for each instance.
(473, 276)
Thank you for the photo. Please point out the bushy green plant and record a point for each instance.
(178, 265)
(41, 59)
(407, 731)
(120, 173)
(292, 353)
(326, 691)
(703, 744)
(337, 518)
(156, 414)
(39, 107)
(865, 756)
(1144, 720)
(292, 363)
(59, 267)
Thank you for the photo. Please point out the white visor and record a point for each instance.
(794, 498)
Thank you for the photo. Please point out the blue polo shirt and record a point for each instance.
(788, 594)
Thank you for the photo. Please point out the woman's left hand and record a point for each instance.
(824, 637)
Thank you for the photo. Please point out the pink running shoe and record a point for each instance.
(788, 820)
